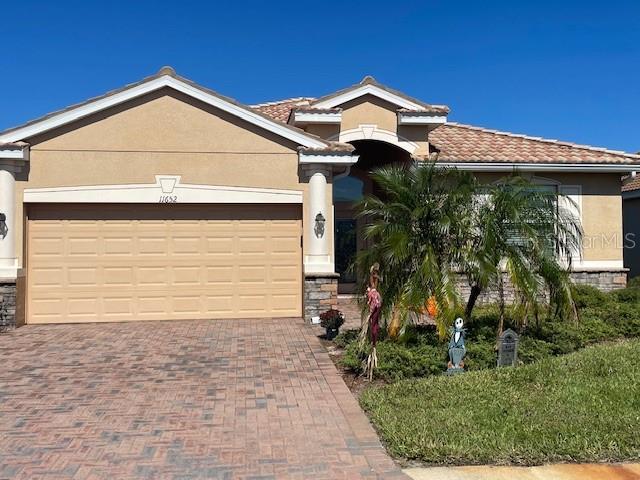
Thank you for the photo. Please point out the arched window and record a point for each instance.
(348, 189)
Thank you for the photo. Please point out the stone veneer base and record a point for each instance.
(605, 280)
(7, 303)
(320, 293)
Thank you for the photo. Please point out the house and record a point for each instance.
(166, 200)
(631, 224)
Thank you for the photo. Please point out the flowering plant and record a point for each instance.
(331, 319)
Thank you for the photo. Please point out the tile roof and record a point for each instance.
(630, 184)
(464, 143)
(456, 142)
(281, 109)
(13, 145)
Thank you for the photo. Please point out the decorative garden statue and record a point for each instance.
(457, 349)
(374, 301)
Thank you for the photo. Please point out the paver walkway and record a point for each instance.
(221, 399)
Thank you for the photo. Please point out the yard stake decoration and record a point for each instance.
(374, 301)
(457, 349)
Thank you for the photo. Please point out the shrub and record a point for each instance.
(627, 295)
(331, 319)
(396, 360)
(480, 355)
(634, 282)
(419, 352)
(532, 350)
(343, 339)
(589, 296)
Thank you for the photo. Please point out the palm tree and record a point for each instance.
(414, 229)
(530, 233)
(430, 224)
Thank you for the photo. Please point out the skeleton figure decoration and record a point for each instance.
(457, 349)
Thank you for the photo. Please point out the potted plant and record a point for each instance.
(331, 321)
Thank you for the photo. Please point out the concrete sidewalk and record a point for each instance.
(627, 471)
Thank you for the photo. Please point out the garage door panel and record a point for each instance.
(118, 276)
(118, 306)
(186, 305)
(219, 246)
(47, 277)
(119, 246)
(152, 305)
(187, 275)
(158, 262)
(219, 275)
(284, 303)
(47, 247)
(157, 276)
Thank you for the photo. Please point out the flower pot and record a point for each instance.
(331, 333)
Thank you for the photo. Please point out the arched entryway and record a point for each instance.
(347, 190)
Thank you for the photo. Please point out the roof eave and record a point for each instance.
(493, 166)
(371, 87)
(165, 78)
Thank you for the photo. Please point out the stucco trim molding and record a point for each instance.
(418, 118)
(326, 118)
(368, 89)
(166, 189)
(314, 158)
(597, 265)
(373, 132)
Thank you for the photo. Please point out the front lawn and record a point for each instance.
(581, 407)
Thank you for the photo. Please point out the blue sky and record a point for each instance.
(559, 69)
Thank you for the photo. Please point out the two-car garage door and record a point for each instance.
(91, 263)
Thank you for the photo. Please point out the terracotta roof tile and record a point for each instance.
(280, 110)
(630, 184)
(13, 145)
(455, 142)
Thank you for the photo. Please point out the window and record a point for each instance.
(347, 189)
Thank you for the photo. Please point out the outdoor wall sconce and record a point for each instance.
(3, 226)
(319, 226)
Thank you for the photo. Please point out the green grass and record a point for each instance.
(581, 407)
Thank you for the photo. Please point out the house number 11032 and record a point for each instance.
(168, 199)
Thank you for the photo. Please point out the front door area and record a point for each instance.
(346, 249)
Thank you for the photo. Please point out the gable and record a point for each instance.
(369, 109)
(165, 78)
(163, 121)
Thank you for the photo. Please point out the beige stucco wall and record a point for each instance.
(323, 131)
(165, 133)
(601, 211)
(371, 110)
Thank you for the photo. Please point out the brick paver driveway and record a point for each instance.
(198, 399)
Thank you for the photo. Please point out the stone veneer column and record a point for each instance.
(320, 293)
(321, 281)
